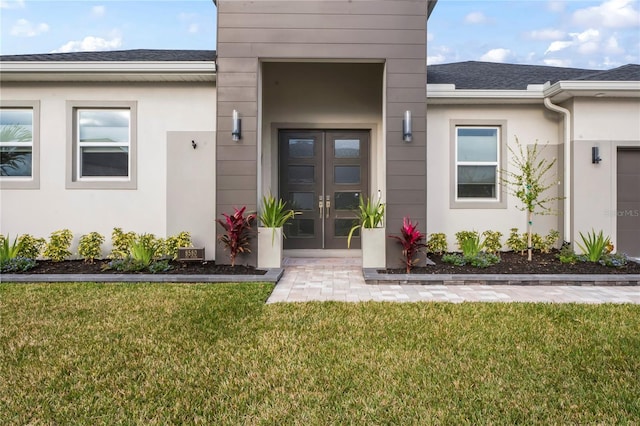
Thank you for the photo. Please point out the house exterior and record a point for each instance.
(144, 140)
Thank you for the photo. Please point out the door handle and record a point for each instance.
(328, 207)
(320, 206)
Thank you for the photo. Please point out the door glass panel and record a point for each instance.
(300, 174)
(347, 174)
(301, 200)
(299, 228)
(346, 200)
(343, 226)
(301, 148)
(347, 148)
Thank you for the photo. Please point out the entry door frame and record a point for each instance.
(324, 188)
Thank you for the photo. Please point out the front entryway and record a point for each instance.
(322, 175)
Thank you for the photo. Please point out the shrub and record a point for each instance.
(549, 241)
(464, 235)
(30, 247)
(454, 259)
(121, 242)
(17, 264)
(437, 243)
(58, 247)
(492, 242)
(567, 255)
(8, 250)
(516, 242)
(617, 260)
(174, 242)
(411, 241)
(236, 235)
(89, 247)
(480, 260)
(594, 246)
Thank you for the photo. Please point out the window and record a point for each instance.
(18, 145)
(477, 151)
(103, 151)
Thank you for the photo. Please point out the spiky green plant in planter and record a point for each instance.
(274, 214)
(370, 215)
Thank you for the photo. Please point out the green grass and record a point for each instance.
(215, 354)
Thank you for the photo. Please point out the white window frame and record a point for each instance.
(75, 180)
(500, 200)
(33, 181)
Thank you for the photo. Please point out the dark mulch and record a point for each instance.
(183, 268)
(514, 263)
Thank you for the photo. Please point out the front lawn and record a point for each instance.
(215, 354)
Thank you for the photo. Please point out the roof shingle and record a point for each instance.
(137, 55)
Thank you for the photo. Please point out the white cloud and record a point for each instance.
(475, 18)
(98, 11)
(24, 28)
(436, 59)
(193, 28)
(586, 42)
(555, 6)
(612, 47)
(545, 34)
(558, 62)
(11, 4)
(90, 44)
(611, 13)
(496, 55)
(557, 46)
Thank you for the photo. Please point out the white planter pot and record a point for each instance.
(373, 242)
(269, 247)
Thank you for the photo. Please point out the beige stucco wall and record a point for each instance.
(324, 96)
(607, 124)
(161, 108)
(526, 122)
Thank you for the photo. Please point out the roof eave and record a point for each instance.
(108, 71)
(448, 94)
(563, 90)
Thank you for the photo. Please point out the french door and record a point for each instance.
(322, 175)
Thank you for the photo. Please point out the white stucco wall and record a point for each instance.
(607, 124)
(526, 122)
(160, 108)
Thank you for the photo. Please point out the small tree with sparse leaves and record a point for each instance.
(528, 182)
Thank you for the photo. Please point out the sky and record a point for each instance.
(594, 34)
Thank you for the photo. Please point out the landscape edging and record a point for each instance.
(372, 276)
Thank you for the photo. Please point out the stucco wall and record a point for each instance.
(607, 124)
(526, 122)
(160, 108)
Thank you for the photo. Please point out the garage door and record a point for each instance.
(628, 212)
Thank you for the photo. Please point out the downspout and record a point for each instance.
(567, 165)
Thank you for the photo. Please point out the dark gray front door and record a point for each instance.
(322, 175)
(628, 209)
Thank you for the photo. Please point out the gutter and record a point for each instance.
(567, 164)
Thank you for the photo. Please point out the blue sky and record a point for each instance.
(597, 34)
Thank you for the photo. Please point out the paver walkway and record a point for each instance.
(341, 279)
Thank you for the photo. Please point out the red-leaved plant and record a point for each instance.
(236, 236)
(412, 241)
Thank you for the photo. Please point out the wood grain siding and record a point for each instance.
(388, 31)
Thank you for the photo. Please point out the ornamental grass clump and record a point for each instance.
(594, 246)
(370, 215)
(236, 236)
(474, 251)
(411, 240)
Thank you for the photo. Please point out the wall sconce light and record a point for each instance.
(595, 155)
(236, 133)
(194, 145)
(407, 133)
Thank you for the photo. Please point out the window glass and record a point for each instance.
(300, 174)
(347, 148)
(347, 174)
(343, 226)
(299, 228)
(16, 142)
(477, 159)
(346, 200)
(301, 148)
(301, 200)
(103, 142)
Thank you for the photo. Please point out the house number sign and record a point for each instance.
(186, 254)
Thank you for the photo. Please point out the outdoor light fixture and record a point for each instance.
(407, 133)
(237, 124)
(595, 155)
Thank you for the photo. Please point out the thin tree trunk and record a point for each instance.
(529, 229)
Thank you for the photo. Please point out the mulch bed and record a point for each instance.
(511, 263)
(180, 268)
(514, 263)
